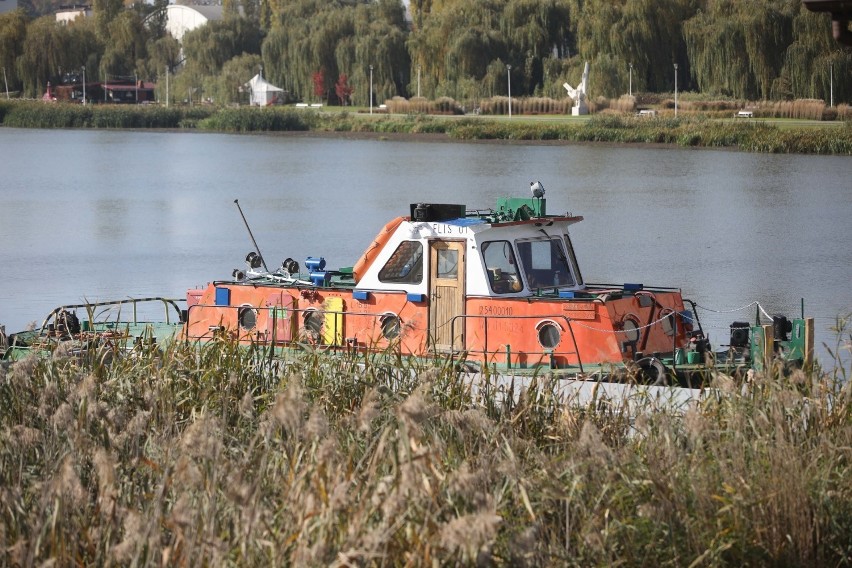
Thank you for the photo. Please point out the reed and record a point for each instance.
(36, 114)
(610, 125)
(255, 119)
(753, 136)
(219, 454)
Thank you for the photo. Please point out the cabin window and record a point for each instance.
(448, 263)
(573, 258)
(545, 263)
(501, 267)
(405, 264)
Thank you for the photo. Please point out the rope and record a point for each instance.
(638, 328)
(754, 303)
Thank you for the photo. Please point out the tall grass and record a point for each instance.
(36, 114)
(694, 131)
(219, 455)
(253, 119)
(610, 125)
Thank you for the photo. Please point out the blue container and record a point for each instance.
(223, 296)
(313, 263)
(320, 278)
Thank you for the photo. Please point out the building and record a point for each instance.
(181, 19)
(69, 12)
(113, 92)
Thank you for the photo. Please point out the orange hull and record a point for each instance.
(494, 330)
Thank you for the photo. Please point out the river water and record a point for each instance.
(87, 214)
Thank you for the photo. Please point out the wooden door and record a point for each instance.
(446, 294)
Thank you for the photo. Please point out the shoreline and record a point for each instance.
(443, 138)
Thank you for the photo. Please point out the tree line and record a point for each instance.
(327, 51)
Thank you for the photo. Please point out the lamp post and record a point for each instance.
(675, 68)
(167, 86)
(509, 76)
(831, 82)
(84, 84)
(418, 81)
(371, 89)
(6, 82)
(630, 85)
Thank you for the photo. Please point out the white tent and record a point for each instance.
(263, 93)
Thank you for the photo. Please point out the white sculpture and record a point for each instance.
(579, 94)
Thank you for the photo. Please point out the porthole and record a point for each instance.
(390, 326)
(549, 335)
(247, 316)
(631, 330)
(313, 325)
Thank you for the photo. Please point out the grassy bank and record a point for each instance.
(212, 457)
(696, 130)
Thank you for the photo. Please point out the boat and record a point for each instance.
(495, 290)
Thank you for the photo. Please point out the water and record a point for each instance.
(104, 214)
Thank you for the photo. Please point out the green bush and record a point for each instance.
(36, 114)
(255, 119)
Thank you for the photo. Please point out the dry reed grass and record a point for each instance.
(219, 455)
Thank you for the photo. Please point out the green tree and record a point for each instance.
(13, 33)
(814, 62)
(163, 53)
(342, 39)
(45, 52)
(104, 12)
(126, 50)
(737, 48)
(211, 45)
(157, 18)
(229, 86)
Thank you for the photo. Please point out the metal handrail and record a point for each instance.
(88, 306)
(485, 350)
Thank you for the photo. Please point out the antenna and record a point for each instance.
(237, 203)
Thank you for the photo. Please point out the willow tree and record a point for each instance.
(13, 33)
(379, 41)
(126, 51)
(814, 63)
(210, 46)
(456, 44)
(163, 56)
(649, 36)
(229, 86)
(535, 30)
(104, 12)
(737, 48)
(45, 53)
(308, 37)
(646, 33)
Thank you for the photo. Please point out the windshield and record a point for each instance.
(545, 263)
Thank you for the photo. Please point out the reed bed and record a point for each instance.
(689, 131)
(220, 455)
(612, 125)
(526, 106)
(420, 105)
(36, 114)
(248, 119)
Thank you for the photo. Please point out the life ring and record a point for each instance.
(375, 248)
(653, 370)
